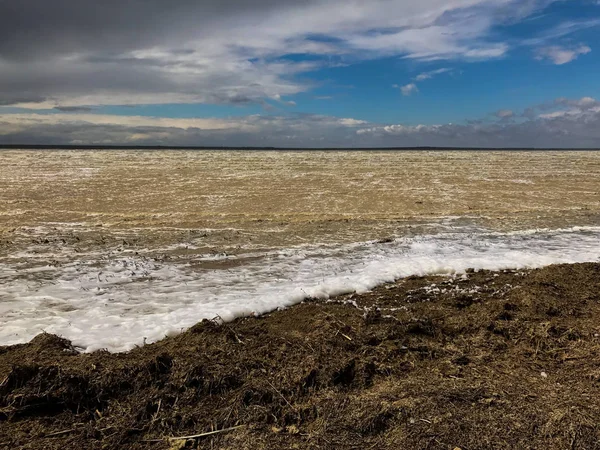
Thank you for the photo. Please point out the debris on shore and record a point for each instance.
(499, 360)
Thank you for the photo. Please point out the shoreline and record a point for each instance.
(507, 359)
(178, 288)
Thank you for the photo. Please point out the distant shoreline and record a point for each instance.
(162, 147)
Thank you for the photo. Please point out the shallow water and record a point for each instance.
(111, 248)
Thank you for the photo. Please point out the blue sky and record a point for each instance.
(302, 74)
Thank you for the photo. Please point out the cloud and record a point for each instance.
(69, 53)
(582, 103)
(561, 107)
(529, 113)
(565, 130)
(254, 130)
(562, 55)
(572, 123)
(504, 114)
(561, 30)
(247, 123)
(278, 98)
(351, 122)
(428, 75)
(73, 108)
(409, 89)
(412, 88)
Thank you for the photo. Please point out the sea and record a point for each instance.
(114, 249)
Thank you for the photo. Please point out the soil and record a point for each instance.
(499, 360)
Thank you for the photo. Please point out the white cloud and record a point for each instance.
(351, 122)
(562, 55)
(428, 75)
(554, 115)
(504, 114)
(561, 30)
(412, 88)
(409, 89)
(582, 103)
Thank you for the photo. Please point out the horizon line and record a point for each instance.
(179, 147)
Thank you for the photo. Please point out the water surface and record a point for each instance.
(111, 248)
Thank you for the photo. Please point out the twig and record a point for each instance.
(218, 318)
(235, 334)
(281, 395)
(157, 410)
(60, 433)
(195, 436)
(229, 414)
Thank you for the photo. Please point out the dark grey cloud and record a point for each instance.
(140, 51)
(10, 98)
(73, 108)
(33, 29)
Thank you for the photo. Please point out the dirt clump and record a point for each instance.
(498, 360)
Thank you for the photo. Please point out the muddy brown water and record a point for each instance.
(186, 203)
(286, 198)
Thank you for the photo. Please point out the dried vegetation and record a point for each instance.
(495, 360)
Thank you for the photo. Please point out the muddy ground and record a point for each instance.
(501, 360)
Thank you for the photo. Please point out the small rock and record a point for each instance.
(544, 375)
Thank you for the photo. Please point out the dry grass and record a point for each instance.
(504, 361)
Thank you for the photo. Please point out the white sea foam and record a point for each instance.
(119, 301)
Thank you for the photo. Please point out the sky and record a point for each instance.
(303, 73)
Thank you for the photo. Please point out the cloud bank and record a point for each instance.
(565, 123)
